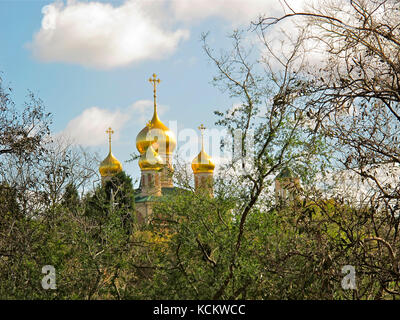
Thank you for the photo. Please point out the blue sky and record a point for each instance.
(89, 61)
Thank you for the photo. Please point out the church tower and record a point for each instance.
(203, 169)
(151, 165)
(160, 137)
(110, 166)
(155, 143)
(287, 185)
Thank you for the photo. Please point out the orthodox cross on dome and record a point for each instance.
(155, 81)
(109, 131)
(202, 128)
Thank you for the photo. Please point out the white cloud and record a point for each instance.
(100, 35)
(143, 110)
(88, 129)
(236, 11)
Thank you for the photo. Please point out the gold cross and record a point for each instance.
(155, 82)
(202, 128)
(149, 124)
(110, 132)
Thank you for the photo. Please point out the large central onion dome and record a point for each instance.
(156, 133)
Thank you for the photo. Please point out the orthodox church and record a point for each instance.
(156, 144)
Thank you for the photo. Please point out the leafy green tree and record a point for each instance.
(271, 111)
(354, 101)
(22, 133)
(71, 197)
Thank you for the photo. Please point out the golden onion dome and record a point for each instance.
(202, 162)
(110, 165)
(150, 160)
(156, 133)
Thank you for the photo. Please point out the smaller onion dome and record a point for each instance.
(110, 165)
(285, 173)
(202, 162)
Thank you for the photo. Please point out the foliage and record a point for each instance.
(22, 133)
(243, 243)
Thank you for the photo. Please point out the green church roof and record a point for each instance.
(286, 173)
(166, 191)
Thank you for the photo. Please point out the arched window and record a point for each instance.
(143, 181)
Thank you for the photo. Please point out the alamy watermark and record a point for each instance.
(349, 280)
(235, 148)
(49, 280)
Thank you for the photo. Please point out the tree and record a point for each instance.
(92, 243)
(70, 198)
(355, 90)
(354, 100)
(22, 134)
(270, 110)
